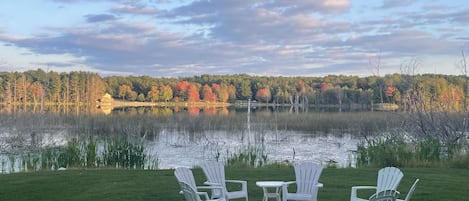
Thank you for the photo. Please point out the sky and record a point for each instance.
(184, 38)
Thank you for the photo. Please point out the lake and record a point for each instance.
(182, 138)
(183, 149)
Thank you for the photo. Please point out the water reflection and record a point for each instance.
(183, 149)
(171, 136)
(174, 148)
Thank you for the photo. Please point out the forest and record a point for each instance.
(428, 92)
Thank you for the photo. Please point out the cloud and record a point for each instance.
(276, 37)
(99, 18)
(397, 3)
(403, 43)
(264, 21)
(134, 9)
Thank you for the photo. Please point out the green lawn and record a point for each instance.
(436, 184)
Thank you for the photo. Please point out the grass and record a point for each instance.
(138, 185)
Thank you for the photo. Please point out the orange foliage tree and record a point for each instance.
(37, 91)
(207, 93)
(181, 89)
(263, 95)
(193, 93)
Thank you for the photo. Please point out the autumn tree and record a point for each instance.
(37, 92)
(141, 97)
(75, 88)
(193, 93)
(166, 93)
(222, 91)
(181, 89)
(153, 94)
(126, 93)
(324, 87)
(263, 95)
(207, 93)
(21, 87)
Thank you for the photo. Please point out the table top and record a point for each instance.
(269, 183)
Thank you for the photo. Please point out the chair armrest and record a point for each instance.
(288, 183)
(319, 185)
(236, 181)
(244, 184)
(353, 194)
(217, 189)
(210, 187)
(211, 183)
(363, 187)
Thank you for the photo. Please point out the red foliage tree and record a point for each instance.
(263, 95)
(207, 93)
(181, 89)
(390, 91)
(324, 87)
(301, 87)
(193, 93)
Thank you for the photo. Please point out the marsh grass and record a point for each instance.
(250, 156)
(424, 152)
(114, 152)
(138, 127)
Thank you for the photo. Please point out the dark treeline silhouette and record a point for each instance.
(427, 92)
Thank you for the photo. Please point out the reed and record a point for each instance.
(249, 156)
(130, 129)
(426, 152)
(92, 153)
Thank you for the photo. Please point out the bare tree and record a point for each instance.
(409, 69)
(463, 66)
(376, 67)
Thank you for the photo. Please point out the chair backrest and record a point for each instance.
(388, 178)
(307, 177)
(411, 191)
(215, 173)
(387, 195)
(189, 193)
(185, 175)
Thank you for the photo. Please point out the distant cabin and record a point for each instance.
(105, 100)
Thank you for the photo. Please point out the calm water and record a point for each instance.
(173, 148)
(184, 149)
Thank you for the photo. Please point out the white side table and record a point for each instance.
(265, 185)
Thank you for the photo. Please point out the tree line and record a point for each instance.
(428, 92)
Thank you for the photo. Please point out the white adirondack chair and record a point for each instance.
(411, 191)
(186, 176)
(388, 179)
(387, 195)
(307, 182)
(215, 173)
(191, 195)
